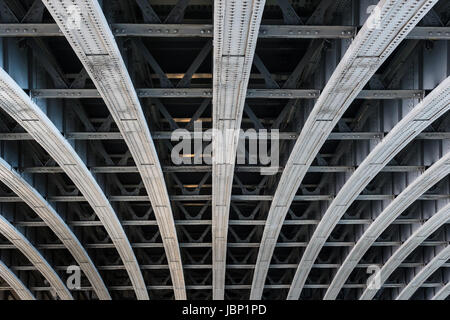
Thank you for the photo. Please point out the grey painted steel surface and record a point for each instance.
(26, 247)
(432, 224)
(15, 102)
(95, 46)
(15, 283)
(430, 109)
(52, 219)
(184, 93)
(443, 293)
(437, 262)
(236, 25)
(365, 55)
(205, 31)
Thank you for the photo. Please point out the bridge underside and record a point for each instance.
(167, 48)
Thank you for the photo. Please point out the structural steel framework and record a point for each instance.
(51, 218)
(443, 293)
(353, 96)
(19, 106)
(424, 274)
(14, 282)
(412, 243)
(29, 250)
(95, 46)
(236, 25)
(371, 47)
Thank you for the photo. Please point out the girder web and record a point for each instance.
(88, 176)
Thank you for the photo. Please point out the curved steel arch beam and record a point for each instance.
(430, 109)
(35, 257)
(419, 186)
(19, 106)
(391, 21)
(443, 293)
(432, 224)
(94, 44)
(46, 212)
(441, 258)
(15, 283)
(236, 27)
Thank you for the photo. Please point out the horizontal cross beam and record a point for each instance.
(166, 135)
(91, 223)
(236, 287)
(206, 168)
(244, 198)
(207, 93)
(142, 245)
(206, 31)
(229, 266)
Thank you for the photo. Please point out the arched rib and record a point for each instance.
(15, 283)
(35, 257)
(46, 212)
(391, 21)
(419, 186)
(19, 106)
(236, 27)
(430, 109)
(443, 293)
(436, 221)
(94, 44)
(437, 262)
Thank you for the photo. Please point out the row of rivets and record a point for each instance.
(203, 31)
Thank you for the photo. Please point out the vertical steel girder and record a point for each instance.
(236, 26)
(96, 48)
(386, 28)
(46, 212)
(432, 224)
(418, 119)
(15, 283)
(15, 102)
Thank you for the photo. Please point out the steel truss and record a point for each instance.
(165, 50)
